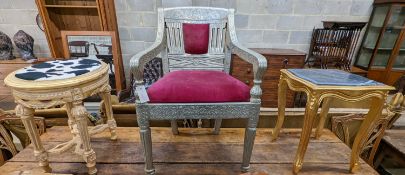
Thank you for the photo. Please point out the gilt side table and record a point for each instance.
(323, 85)
(62, 82)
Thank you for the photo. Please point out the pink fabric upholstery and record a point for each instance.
(196, 38)
(187, 86)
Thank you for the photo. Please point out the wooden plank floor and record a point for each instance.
(396, 139)
(390, 157)
(194, 151)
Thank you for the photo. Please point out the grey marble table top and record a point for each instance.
(333, 77)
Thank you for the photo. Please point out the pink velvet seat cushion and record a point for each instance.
(193, 86)
(196, 38)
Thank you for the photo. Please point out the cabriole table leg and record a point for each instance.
(282, 91)
(322, 117)
(310, 113)
(27, 116)
(365, 131)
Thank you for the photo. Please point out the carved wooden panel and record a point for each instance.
(181, 62)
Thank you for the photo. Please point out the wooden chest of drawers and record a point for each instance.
(276, 59)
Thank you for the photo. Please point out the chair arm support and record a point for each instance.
(138, 61)
(259, 63)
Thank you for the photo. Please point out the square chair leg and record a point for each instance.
(250, 134)
(146, 141)
(175, 128)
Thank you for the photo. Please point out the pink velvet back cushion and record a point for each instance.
(198, 86)
(196, 38)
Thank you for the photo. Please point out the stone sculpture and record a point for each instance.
(25, 45)
(6, 47)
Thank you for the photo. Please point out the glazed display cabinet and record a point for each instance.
(382, 52)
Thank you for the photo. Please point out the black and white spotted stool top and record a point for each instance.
(58, 70)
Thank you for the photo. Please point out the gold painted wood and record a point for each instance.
(371, 145)
(31, 95)
(315, 95)
(194, 151)
(322, 117)
(341, 127)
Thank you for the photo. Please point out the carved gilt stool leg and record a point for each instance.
(311, 110)
(108, 110)
(71, 120)
(250, 134)
(80, 114)
(146, 140)
(322, 117)
(282, 91)
(175, 129)
(365, 131)
(27, 117)
(217, 126)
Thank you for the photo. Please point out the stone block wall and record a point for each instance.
(259, 23)
(20, 15)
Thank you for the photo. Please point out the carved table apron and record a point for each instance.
(315, 95)
(30, 95)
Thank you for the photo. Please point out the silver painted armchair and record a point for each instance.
(196, 44)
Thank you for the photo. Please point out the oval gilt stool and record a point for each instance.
(62, 82)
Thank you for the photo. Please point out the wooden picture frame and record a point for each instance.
(85, 44)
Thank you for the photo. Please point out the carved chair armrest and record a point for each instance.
(343, 126)
(258, 61)
(6, 139)
(14, 120)
(124, 94)
(138, 61)
(7, 121)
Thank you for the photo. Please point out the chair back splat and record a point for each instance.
(196, 39)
